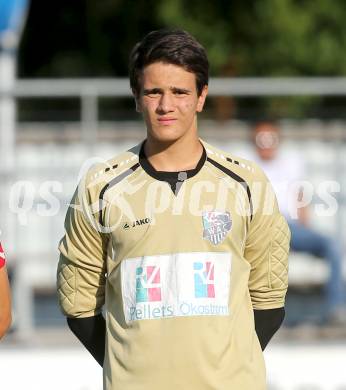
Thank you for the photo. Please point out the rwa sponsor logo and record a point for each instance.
(137, 222)
(148, 285)
(204, 279)
(172, 290)
(148, 293)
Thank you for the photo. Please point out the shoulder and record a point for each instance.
(106, 170)
(247, 170)
(97, 174)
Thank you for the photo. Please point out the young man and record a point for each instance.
(5, 296)
(178, 241)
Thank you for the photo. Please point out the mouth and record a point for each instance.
(166, 121)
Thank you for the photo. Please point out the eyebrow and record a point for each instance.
(159, 90)
(152, 90)
(182, 90)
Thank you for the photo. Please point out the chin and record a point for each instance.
(166, 135)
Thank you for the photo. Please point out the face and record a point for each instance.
(169, 102)
(267, 141)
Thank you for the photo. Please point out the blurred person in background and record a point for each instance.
(284, 171)
(5, 296)
(194, 291)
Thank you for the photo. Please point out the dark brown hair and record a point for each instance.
(175, 47)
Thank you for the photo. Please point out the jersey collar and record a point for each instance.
(170, 176)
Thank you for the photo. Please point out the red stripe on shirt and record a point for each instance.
(2, 257)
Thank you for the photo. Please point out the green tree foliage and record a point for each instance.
(266, 37)
(207, 20)
(256, 37)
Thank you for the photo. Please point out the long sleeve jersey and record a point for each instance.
(178, 261)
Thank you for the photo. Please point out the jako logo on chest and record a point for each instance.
(137, 222)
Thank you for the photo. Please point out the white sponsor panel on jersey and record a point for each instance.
(178, 284)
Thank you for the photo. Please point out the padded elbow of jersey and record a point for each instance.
(66, 286)
(81, 292)
(269, 290)
(278, 260)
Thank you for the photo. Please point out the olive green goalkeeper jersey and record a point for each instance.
(178, 261)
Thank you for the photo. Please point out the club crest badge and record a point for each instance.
(216, 225)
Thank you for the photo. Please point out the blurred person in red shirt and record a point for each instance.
(5, 296)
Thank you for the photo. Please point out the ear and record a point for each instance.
(201, 99)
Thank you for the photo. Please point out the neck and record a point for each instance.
(174, 156)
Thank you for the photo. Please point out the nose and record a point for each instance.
(165, 104)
